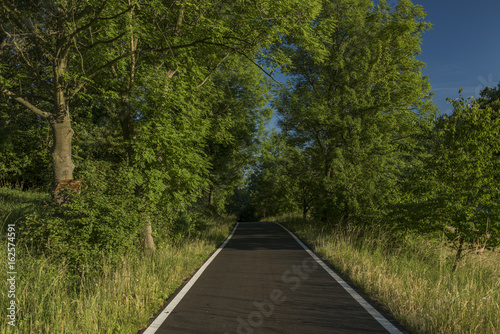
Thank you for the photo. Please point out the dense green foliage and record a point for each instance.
(22, 132)
(271, 180)
(455, 188)
(101, 217)
(349, 108)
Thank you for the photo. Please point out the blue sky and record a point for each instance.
(462, 49)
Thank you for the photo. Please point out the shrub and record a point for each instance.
(103, 220)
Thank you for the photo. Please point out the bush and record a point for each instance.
(103, 220)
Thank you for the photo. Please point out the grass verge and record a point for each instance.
(120, 300)
(412, 277)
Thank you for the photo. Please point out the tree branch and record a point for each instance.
(261, 68)
(88, 47)
(117, 15)
(82, 13)
(212, 70)
(100, 69)
(28, 105)
(200, 41)
(126, 54)
(15, 15)
(81, 56)
(3, 44)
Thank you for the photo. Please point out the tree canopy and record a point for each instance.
(356, 83)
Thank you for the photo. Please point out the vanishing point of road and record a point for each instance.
(265, 280)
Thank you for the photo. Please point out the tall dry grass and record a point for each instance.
(412, 277)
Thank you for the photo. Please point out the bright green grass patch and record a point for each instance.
(50, 299)
(412, 278)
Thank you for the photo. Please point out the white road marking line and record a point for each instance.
(170, 307)
(373, 312)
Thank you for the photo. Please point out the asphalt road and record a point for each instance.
(264, 281)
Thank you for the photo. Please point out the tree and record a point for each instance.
(237, 120)
(301, 168)
(490, 96)
(356, 85)
(45, 62)
(273, 190)
(456, 192)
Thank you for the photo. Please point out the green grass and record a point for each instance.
(120, 300)
(412, 278)
(15, 204)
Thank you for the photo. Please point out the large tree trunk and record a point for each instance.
(62, 162)
(62, 132)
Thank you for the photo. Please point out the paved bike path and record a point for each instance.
(263, 281)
